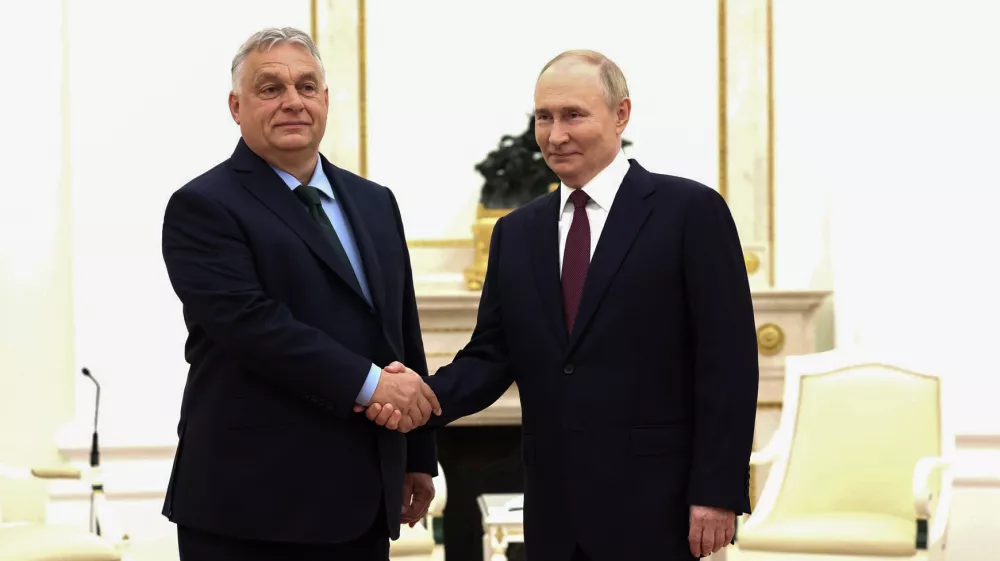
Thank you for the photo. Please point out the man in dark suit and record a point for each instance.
(296, 287)
(620, 306)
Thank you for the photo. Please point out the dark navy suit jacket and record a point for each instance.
(280, 344)
(648, 406)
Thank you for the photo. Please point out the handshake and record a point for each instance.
(402, 400)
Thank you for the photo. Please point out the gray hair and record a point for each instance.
(612, 78)
(264, 40)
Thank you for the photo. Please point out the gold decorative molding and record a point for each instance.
(362, 92)
(482, 232)
(751, 261)
(723, 94)
(314, 20)
(440, 243)
(770, 142)
(770, 339)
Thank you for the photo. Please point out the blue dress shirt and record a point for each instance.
(336, 215)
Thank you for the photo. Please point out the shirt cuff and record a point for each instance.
(368, 390)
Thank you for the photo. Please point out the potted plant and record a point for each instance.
(514, 174)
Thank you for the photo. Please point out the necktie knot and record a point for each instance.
(307, 194)
(579, 199)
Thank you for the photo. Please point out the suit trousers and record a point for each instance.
(198, 545)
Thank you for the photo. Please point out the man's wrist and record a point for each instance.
(368, 388)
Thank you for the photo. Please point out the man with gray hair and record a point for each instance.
(620, 305)
(297, 292)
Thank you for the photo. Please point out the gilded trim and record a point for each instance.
(314, 20)
(770, 142)
(723, 112)
(770, 339)
(362, 92)
(441, 243)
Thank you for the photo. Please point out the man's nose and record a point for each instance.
(291, 100)
(558, 134)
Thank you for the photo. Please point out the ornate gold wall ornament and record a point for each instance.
(482, 231)
(752, 262)
(440, 243)
(770, 339)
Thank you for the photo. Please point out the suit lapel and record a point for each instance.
(264, 184)
(545, 257)
(628, 214)
(341, 183)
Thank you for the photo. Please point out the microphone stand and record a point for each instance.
(96, 483)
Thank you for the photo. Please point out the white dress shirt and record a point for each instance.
(601, 190)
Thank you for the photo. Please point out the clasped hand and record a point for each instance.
(402, 400)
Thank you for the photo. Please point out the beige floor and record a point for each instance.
(167, 551)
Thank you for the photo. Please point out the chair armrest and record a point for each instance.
(57, 472)
(922, 495)
(774, 448)
(41, 472)
(440, 499)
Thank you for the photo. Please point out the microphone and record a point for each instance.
(95, 453)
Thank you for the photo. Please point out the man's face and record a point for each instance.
(578, 133)
(283, 102)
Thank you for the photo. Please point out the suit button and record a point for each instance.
(568, 369)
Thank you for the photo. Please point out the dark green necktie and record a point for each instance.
(309, 196)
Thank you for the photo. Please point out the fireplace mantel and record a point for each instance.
(785, 322)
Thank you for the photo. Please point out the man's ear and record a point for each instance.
(234, 107)
(622, 114)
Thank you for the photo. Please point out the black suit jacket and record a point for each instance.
(279, 345)
(648, 406)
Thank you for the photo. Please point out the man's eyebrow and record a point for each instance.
(266, 77)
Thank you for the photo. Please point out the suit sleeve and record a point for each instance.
(725, 355)
(421, 449)
(478, 376)
(213, 272)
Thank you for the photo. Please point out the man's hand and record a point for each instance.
(402, 401)
(710, 530)
(418, 492)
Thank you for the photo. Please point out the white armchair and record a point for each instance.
(860, 459)
(418, 542)
(22, 541)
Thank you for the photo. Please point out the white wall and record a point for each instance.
(448, 78)
(888, 110)
(148, 112)
(36, 344)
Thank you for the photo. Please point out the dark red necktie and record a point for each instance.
(576, 257)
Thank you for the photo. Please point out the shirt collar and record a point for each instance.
(319, 179)
(604, 186)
